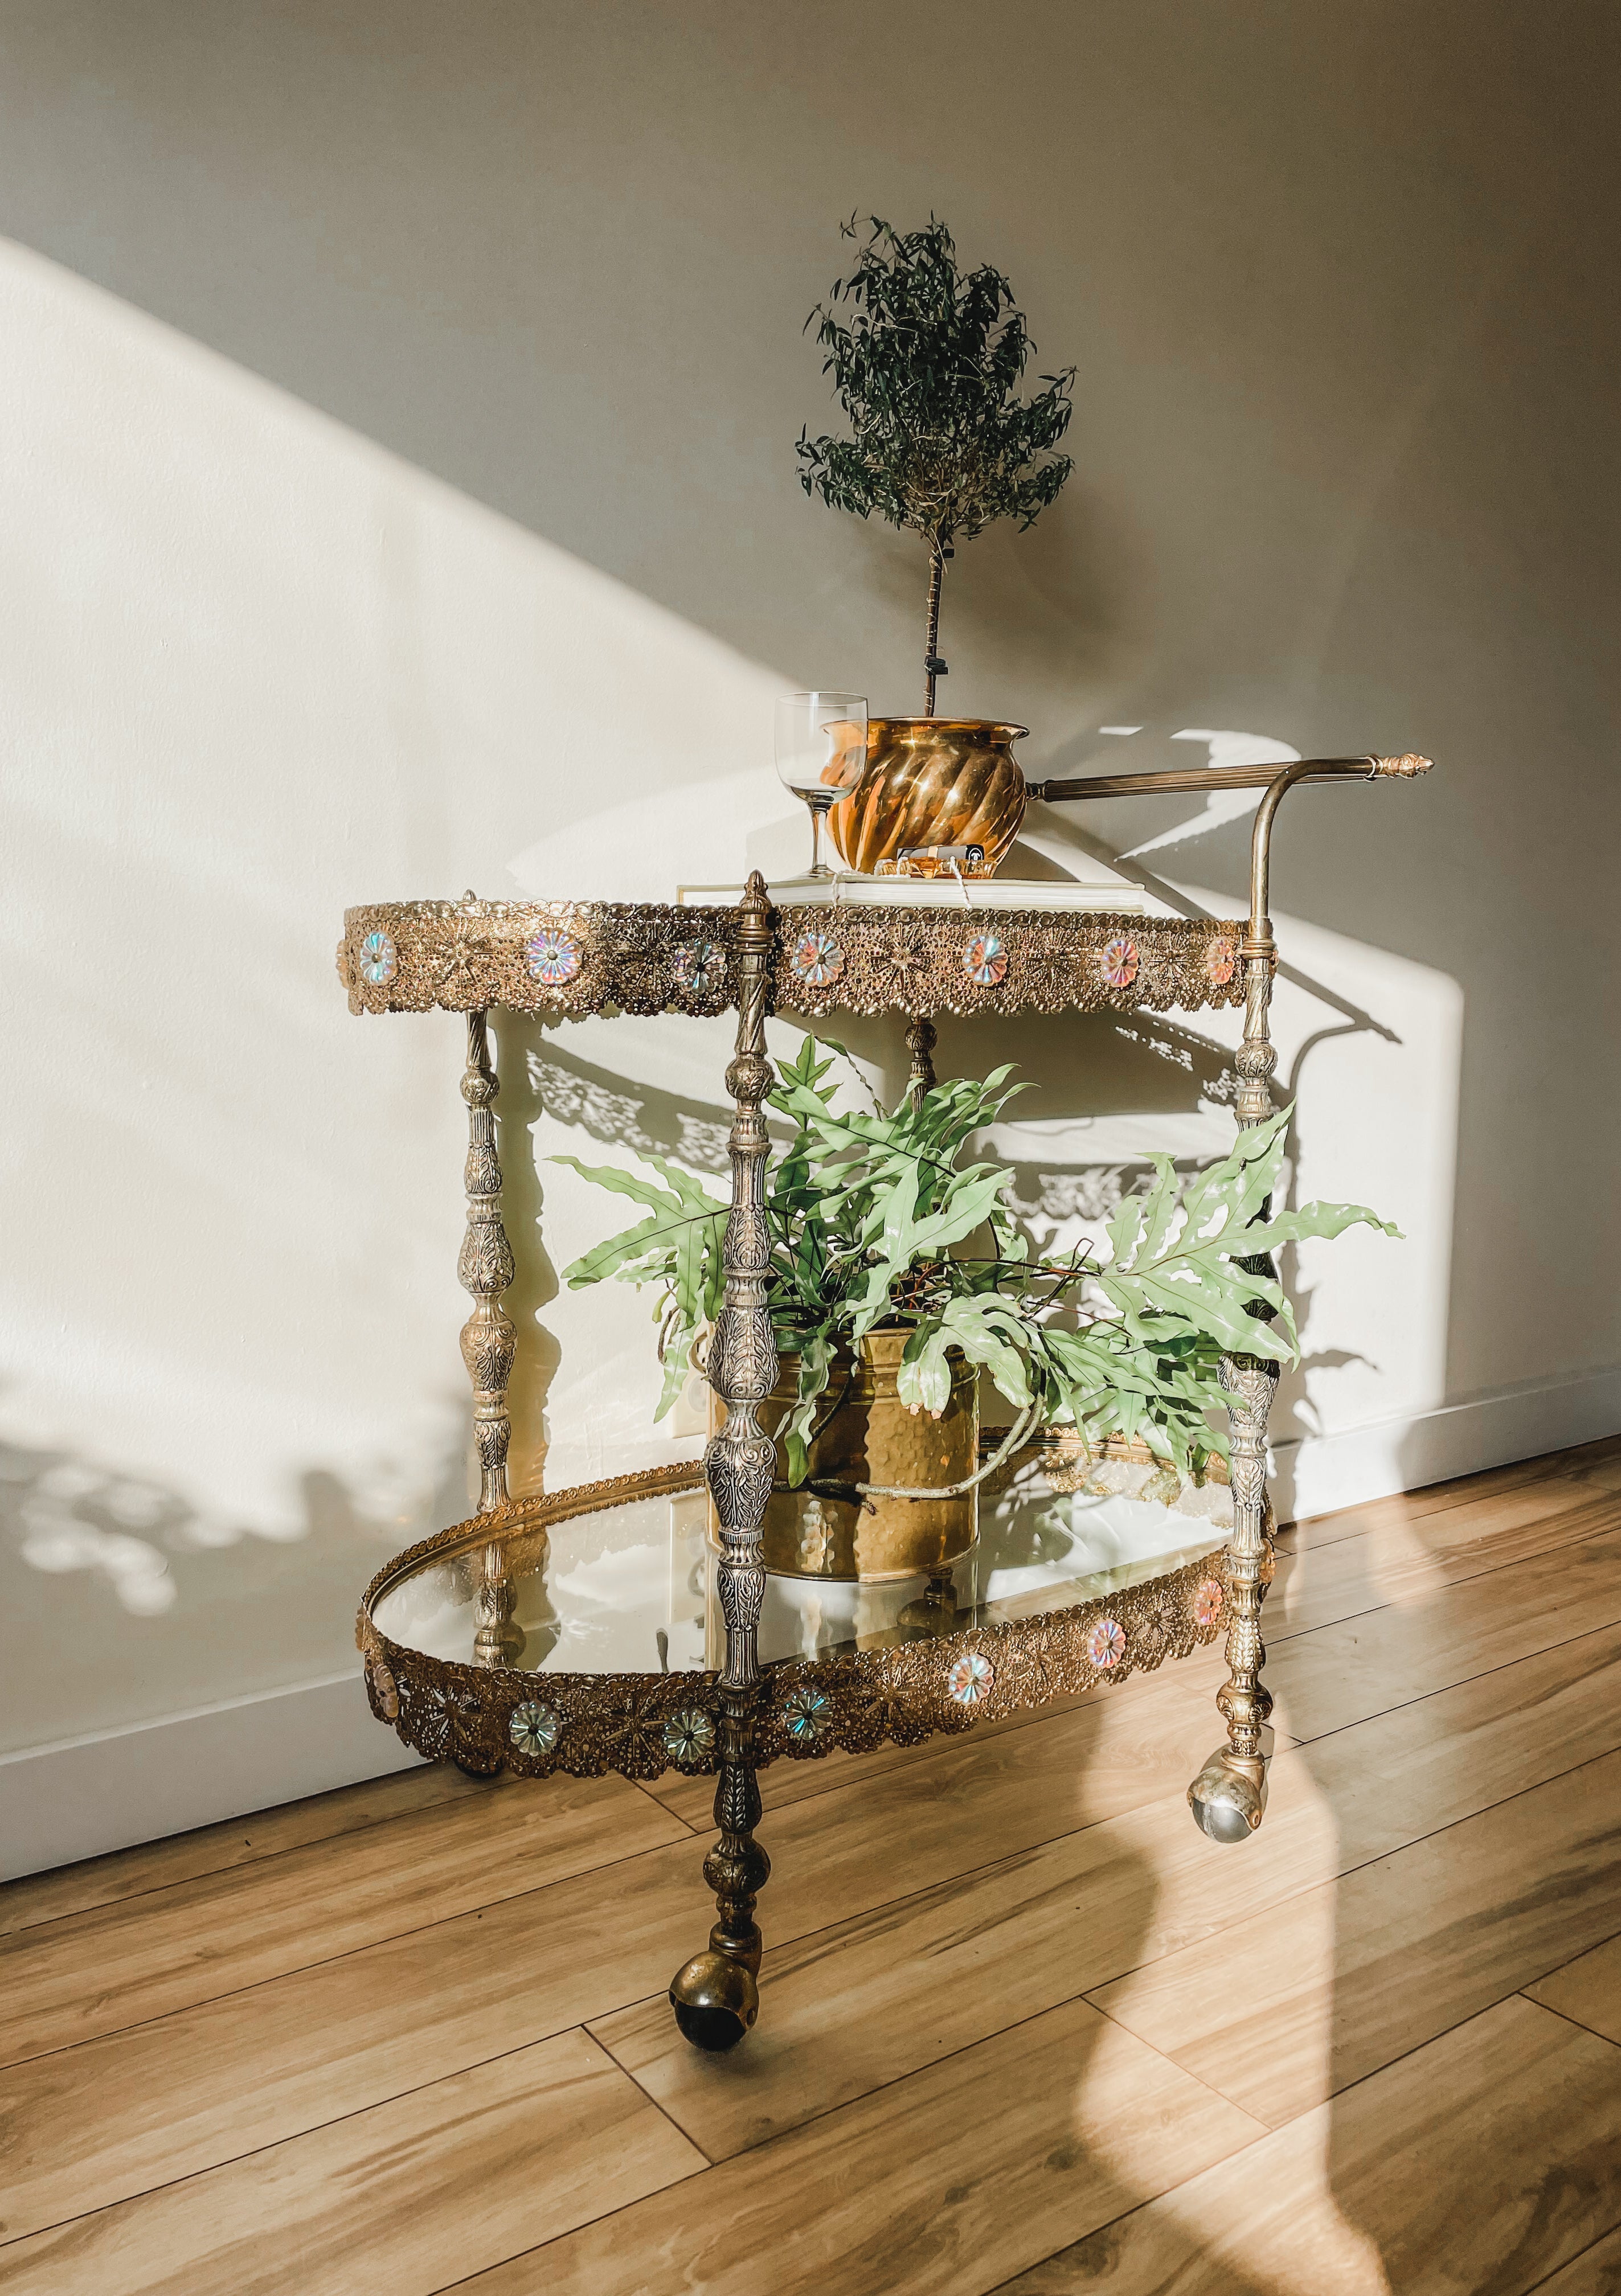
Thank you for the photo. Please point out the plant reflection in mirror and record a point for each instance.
(872, 1218)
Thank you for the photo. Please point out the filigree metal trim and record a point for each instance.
(562, 957)
(638, 957)
(641, 1726)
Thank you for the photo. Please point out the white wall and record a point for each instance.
(397, 416)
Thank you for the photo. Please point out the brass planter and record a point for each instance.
(931, 781)
(868, 1436)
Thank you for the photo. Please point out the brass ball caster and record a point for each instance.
(1226, 1804)
(715, 2000)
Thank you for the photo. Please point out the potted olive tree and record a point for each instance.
(927, 361)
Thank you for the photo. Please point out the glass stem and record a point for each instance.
(818, 814)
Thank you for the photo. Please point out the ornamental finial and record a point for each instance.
(1408, 764)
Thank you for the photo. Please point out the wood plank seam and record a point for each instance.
(758, 2153)
(1088, 1995)
(964, 2048)
(1379, 1858)
(1480, 1675)
(630, 2073)
(262, 1862)
(395, 2097)
(1608, 1509)
(883, 1905)
(1374, 2073)
(1569, 2017)
(1514, 1474)
(1034, 1719)
(331, 1960)
(1569, 2264)
(642, 1787)
(1276, 1640)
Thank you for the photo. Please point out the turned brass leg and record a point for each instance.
(716, 1996)
(1229, 1796)
(921, 1038)
(485, 1269)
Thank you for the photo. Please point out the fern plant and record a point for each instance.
(871, 1218)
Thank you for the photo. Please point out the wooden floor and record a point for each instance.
(1023, 2027)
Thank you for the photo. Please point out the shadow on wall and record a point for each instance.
(260, 670)
(1376, 1112)
(270, 670)
(1349, 390)
(109, 1581)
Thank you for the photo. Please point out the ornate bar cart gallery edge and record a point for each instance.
(937, 1667)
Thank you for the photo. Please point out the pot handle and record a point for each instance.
(868, 1492)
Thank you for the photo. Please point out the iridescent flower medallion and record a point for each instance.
(379, 959)
(690, 1736)
(1220, 961)
(970, 1679)
(533, 1727)
(1207, 1602)
(553, 957)
(699, 965)
(817, 959)
(985, 960)
(1106, 1645)
(806, 1714)
(1118, 962)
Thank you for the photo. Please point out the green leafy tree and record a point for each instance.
(926, 360)
(871, 1217)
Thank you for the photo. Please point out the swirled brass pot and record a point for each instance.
(868, 1435)
(933, 781)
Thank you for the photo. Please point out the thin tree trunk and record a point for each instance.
(931, 658)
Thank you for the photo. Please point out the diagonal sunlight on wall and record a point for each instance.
(258, 670)
(1370, 1047)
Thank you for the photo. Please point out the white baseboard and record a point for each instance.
(61, 1803)
(1321, 1473)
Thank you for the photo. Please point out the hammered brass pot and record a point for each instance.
(933, 781)
(868, 1436)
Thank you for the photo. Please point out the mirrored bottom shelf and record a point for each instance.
(630, 1589)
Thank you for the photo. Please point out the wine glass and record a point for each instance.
(821, 754)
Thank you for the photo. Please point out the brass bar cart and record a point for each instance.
(599, 1628)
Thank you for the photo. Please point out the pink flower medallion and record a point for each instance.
(553, 956)
(1220, 961)
(985, 960)
(1208, 1600)
(1118, 962)
(1106, 1645)
(818, 959)
(970, 1679)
